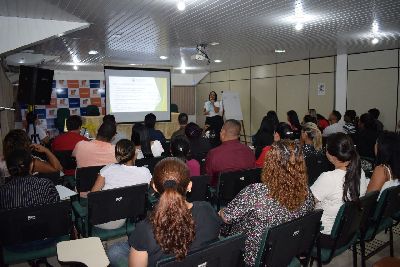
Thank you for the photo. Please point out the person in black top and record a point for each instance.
(199, 146)
(366, 136)
(374, 112)
(25, 190)
(294, 123)
(175, 227)
(265, 134)
(150, 122)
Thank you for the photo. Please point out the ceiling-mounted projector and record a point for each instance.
(201, 54)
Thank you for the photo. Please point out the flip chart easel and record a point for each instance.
(233, 109)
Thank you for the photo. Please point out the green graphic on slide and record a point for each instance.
(162, 87)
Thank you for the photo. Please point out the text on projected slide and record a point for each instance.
(137, 94)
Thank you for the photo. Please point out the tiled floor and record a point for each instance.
(343, 260)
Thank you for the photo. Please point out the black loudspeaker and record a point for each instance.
(35, 85)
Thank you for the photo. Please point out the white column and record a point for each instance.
(341, 83)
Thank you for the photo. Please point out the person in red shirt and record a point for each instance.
(231, 155)
(68, 140)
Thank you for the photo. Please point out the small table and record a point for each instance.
(88, 251)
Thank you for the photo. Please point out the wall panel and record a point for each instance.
(323, 64)
(239, 74)
(263, 99)
(324, 104)
(374, 88)
(292, 93)
(373, 60)
(219, 76)
(264, 71)
(293, 68)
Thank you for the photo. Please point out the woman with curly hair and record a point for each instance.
(175, 227)
(282, 196)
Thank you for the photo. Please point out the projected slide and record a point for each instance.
(133, 93)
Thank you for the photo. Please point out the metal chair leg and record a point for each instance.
(391, 241)
(363, 257)
(355, 255)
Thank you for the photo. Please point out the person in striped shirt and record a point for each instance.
(24, 189)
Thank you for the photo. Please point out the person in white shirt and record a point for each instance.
(37, 134)
(121, 174)
(346, 183)
(213, 109)
(336, 124)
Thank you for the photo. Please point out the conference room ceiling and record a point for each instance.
(248, 31)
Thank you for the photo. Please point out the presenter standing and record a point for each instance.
(213, 109)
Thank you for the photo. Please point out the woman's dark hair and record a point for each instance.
(193, 131)
(19, 163)
(172, 221)
(368, 121)
(388, 152)
(265, 135)
(272, 116)
(15, 140)
(124, 151)
(293, 119)
(341, 146)
(216, 96)
(285, 131)
(309, 118)
(107, 131)
(140, 137)
(74, 122)
(180, 147)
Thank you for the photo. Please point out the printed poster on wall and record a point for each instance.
(321, 89)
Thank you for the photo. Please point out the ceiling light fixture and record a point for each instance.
(183, 71)
(218, 61)
(134, 64)
(299, 26)
(75, 67)
(280, 50)
(163, 57)
(181, 5)
(93, 52)
(375, 41)
(214, 43)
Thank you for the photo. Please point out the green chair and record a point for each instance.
(281, 244)
(109, 205)
(343, 235)
(31, 234)
(222, 253)
(379, 219)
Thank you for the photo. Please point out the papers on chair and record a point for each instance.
(65, 193)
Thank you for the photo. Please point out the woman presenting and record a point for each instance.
(213, 109)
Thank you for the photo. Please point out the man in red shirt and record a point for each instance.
(68, 140)
(231, 155)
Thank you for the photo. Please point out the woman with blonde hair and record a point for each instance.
(282, 196)
(311, 138)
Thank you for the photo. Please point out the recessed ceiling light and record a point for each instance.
(218, 61)
(299, 26)
(75, 67)
(375, 41)
(214, 43)
(280, 50)
(163, 57)
(134, 64)
(181, 5)
(93, 52)
(183, 71)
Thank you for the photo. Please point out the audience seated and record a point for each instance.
(180, 148)
(294, 123)
(313, 116)
(350, 125)
(311, 139)
(282, 131)
(145, 147)
(120, 174)
(374, 112)
(175, 227)
(19, 140)
(366, 136)
(336, 125)
(231, 155)
(68, 140)
(309, 118)
(99, 151)
(346, 183)
(265, 134)
(24, 189)
(282, 196)
(183, 121)
(36, 132)
(150, 122)
(118, 136)
(387, 171)
(199, 145)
